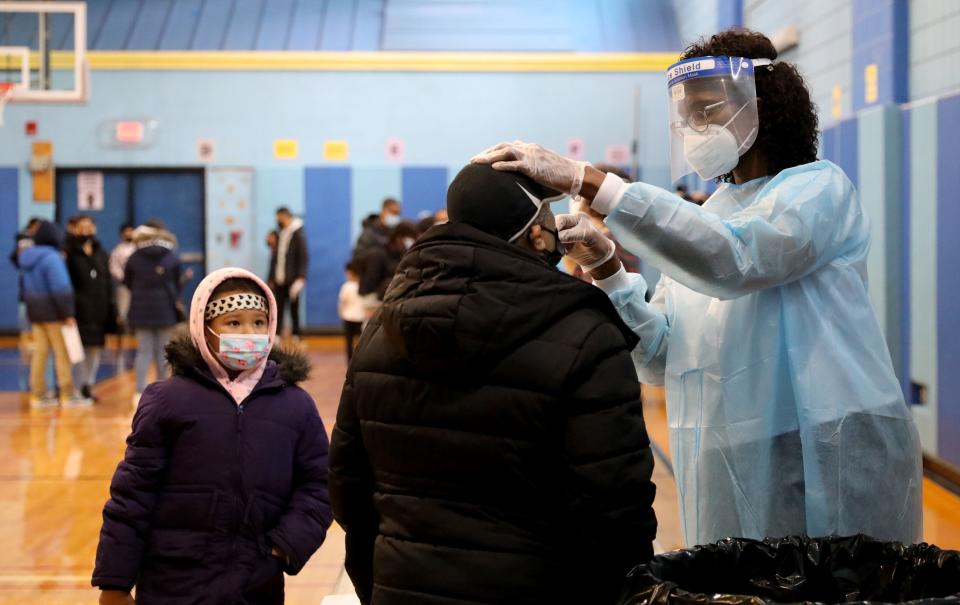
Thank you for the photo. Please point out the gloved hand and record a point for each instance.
(542, 165)
(584, 243)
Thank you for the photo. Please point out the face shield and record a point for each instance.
(713, 114)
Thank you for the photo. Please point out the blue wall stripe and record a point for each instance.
(905, 310)
(881, 37)
(118, 25)
(244, 22)
(423, 188)
(729, 14)
(846, 148)
(327, 221)
(338, 25)
(307, 20)
(211, 27)
(9, 210)
(275, 24)
(828, 145)
(948, 280)
(368, 26)
(150, 25)
(182, 24)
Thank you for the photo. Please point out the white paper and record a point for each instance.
(296, 287)
(90, 190)
(71, 338)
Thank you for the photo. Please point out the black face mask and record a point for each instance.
(553, 257)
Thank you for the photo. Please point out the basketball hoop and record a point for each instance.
(6, 93)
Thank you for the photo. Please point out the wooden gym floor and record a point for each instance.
(56, 465)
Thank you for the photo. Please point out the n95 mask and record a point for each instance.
(712, 152)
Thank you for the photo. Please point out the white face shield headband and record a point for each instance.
(713, 114)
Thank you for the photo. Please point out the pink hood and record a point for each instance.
(248, 379)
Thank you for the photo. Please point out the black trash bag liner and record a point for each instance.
(737, 571)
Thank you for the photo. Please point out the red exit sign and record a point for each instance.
(129, 132)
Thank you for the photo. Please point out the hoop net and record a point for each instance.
(6, 93)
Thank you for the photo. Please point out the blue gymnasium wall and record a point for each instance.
(903, 160)
(444, 118)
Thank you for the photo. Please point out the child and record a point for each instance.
(48, 296)
(224, 482)
(352, 310)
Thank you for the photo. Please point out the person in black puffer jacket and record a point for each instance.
(490, 444)
(89, 267)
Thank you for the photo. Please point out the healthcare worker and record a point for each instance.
(784, 411)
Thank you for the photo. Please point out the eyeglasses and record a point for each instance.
(699, 120)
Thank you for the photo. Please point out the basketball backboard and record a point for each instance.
(43, 51)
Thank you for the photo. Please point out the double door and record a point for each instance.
(173, 195)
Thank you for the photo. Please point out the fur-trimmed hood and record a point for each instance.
(292, 366)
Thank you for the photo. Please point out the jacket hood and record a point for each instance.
(183, 356)
(31, 256)
(198, 327)
(48, 234)
(153, 241)
(464, 298)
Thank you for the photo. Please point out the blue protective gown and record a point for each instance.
(784, 411)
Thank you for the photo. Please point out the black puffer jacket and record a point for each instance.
(490, 444)
(93, 292)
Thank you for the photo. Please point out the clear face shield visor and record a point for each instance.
(713, 114)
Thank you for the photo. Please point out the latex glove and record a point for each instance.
(542, 165)
(584, 243)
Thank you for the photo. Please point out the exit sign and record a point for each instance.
(129, 132)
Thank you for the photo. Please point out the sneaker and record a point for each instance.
(49, 400)
(76, 401)
(136, 400)
(85, 391)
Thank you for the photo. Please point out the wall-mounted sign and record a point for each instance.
(336, 151)
(870, 83)
(128, 132)
(90, 190)
(837, 110)
(286, 149)
(136, 133)
(618, 155)
(206, 150)
(396, 150)
(576, 149)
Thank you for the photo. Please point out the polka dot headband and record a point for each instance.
(234, 302)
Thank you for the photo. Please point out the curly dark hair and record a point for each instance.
(788, 134)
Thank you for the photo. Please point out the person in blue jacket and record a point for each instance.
(48, 296)
(785, 414)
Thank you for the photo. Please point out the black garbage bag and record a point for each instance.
(738, 571)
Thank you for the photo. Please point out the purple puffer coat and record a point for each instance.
(207, 488)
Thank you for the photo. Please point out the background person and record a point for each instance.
(153, 275)
(290, 268)
(96, 315)
(48, 297)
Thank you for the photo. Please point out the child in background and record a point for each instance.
(351, 308)
(224, 483)
(48, 296)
